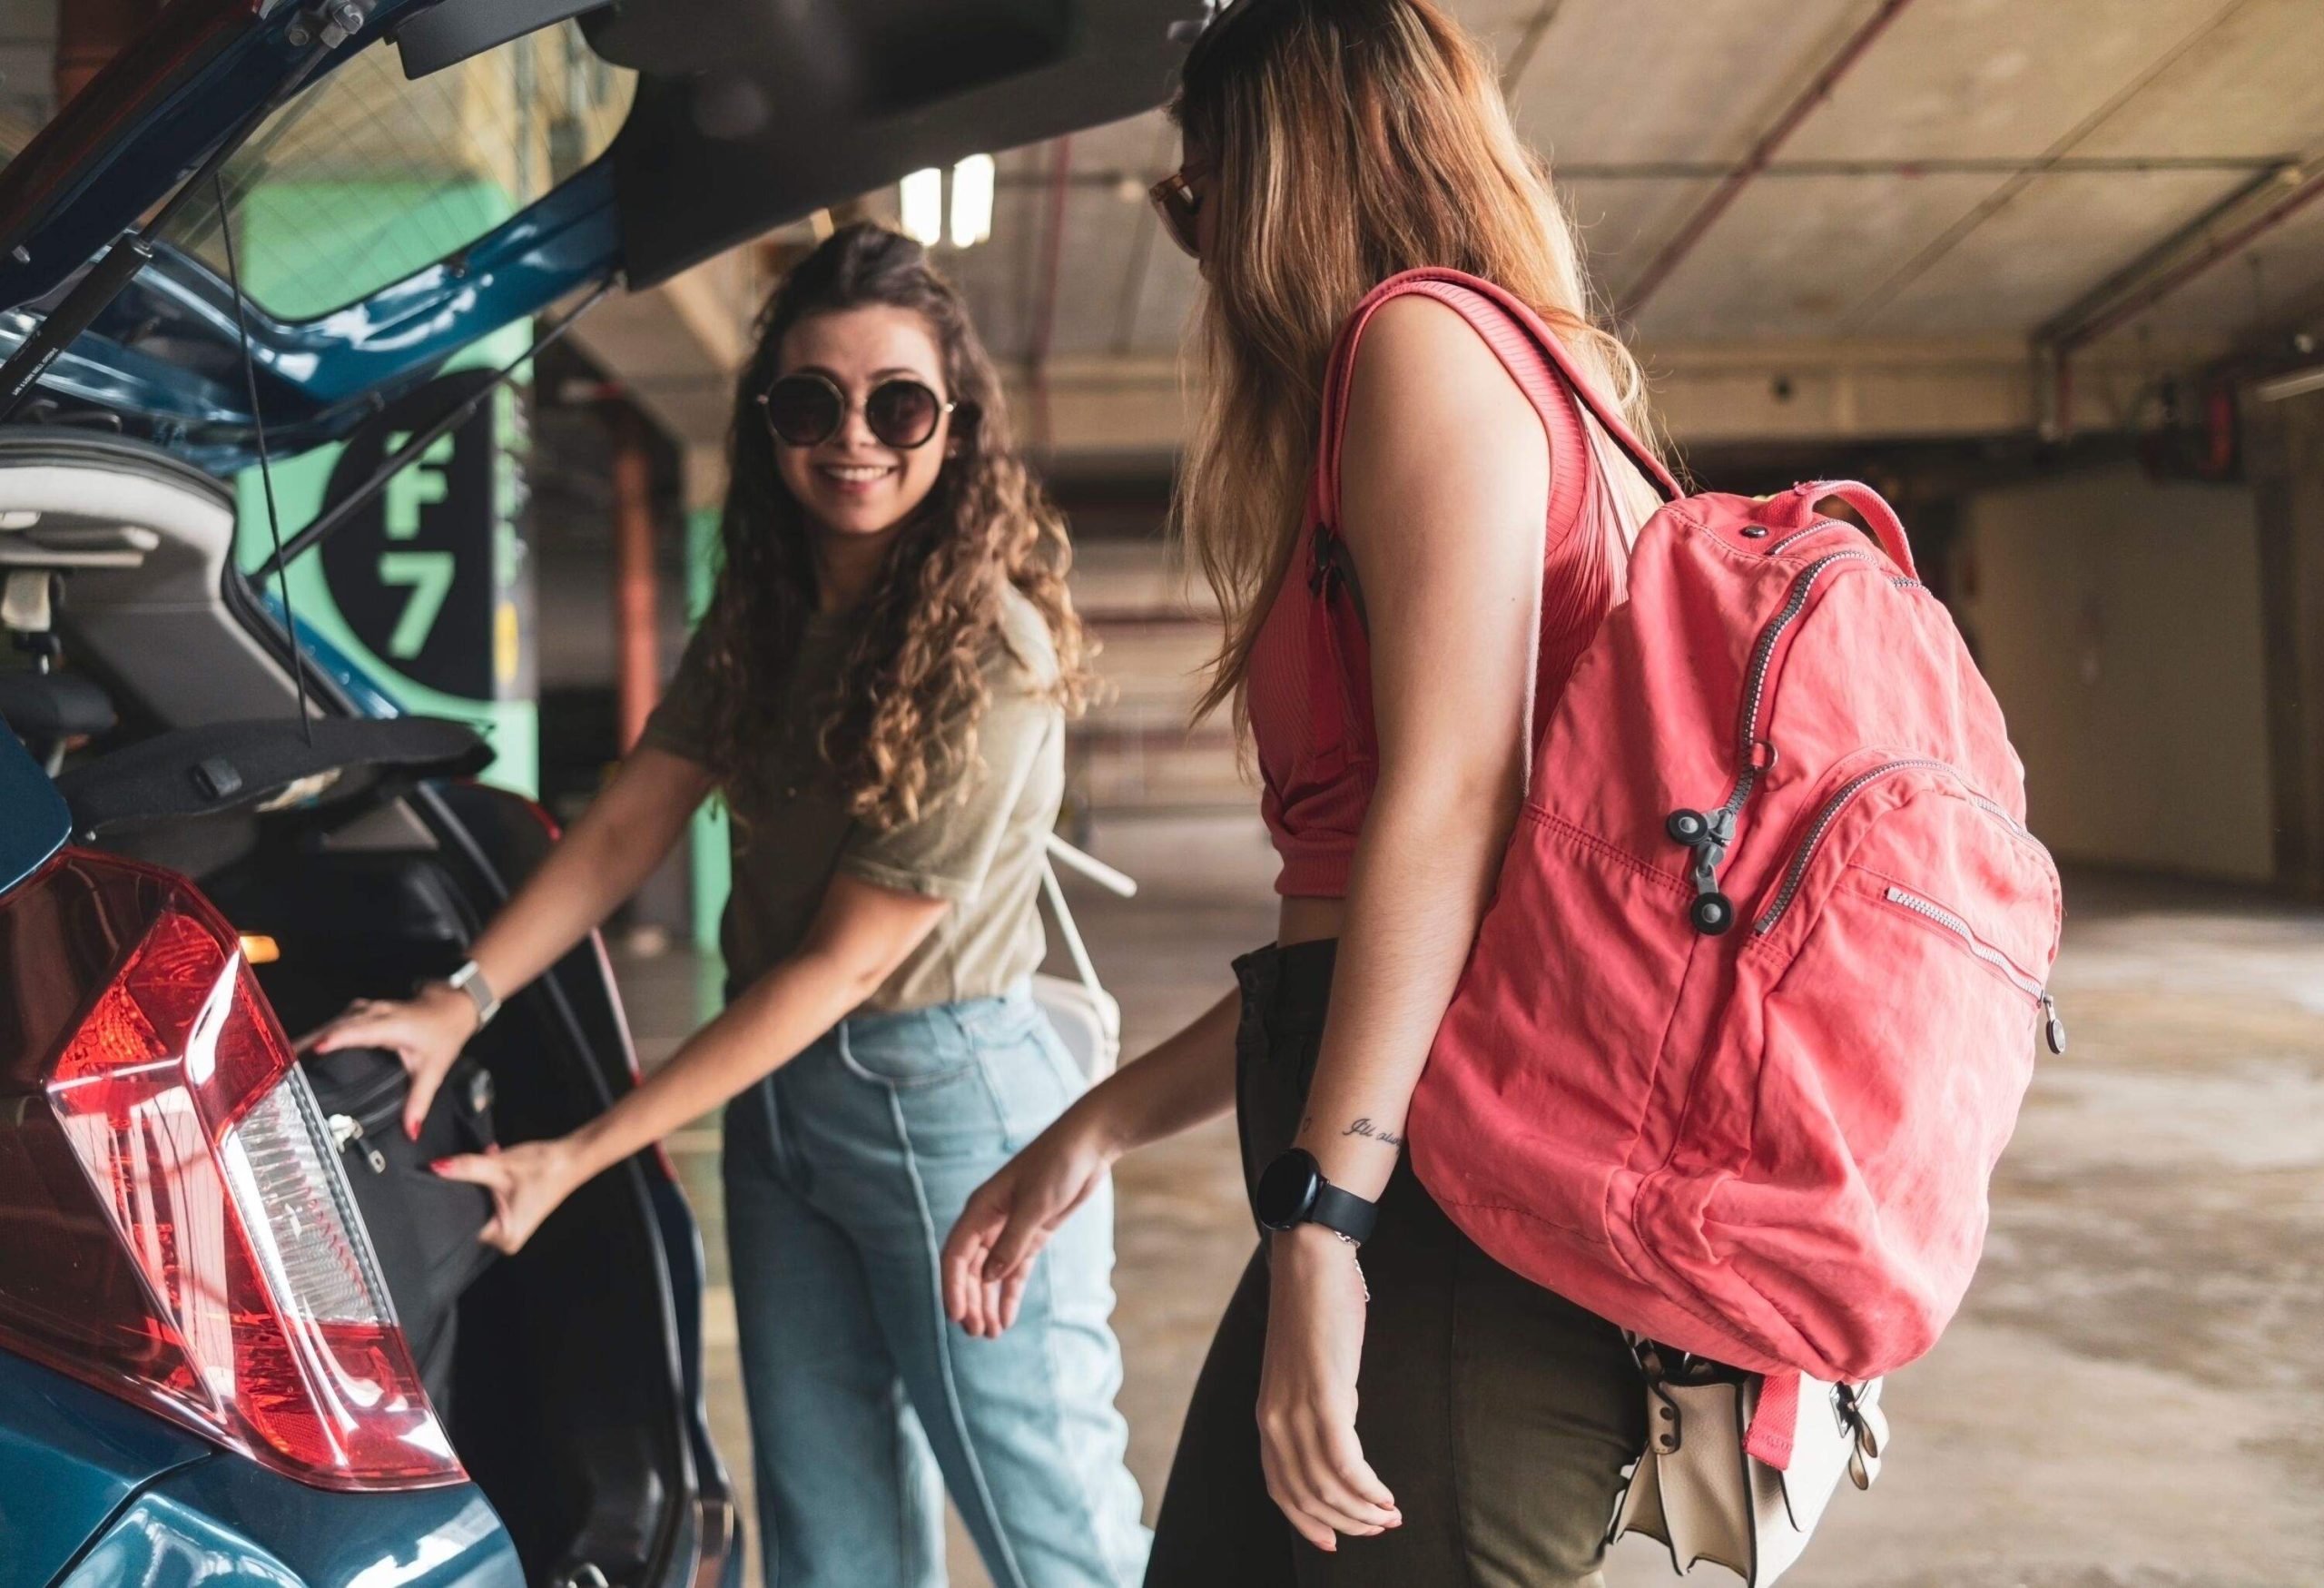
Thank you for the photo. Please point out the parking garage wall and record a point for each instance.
(2119, 620)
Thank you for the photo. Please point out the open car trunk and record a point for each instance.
(572, 1372)
(575, 1366)
(749, 116)
(569, 1404)
(744, 117)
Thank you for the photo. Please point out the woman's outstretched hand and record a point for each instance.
(1009, 1219)
(1314, 1466)
(426, 1031)
(528, 1182)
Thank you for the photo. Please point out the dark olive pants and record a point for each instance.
(1500, 1415)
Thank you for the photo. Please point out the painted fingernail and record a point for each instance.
(412, 1129)
(436, 1165)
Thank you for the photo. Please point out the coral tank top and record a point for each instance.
(1309, 681)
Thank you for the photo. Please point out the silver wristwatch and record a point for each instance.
(470, 980)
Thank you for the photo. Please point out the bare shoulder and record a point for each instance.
(1428, 395)
(1415, 330)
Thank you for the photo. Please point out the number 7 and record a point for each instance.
(428, 575)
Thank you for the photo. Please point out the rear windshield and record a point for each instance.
(28, 72)
(14, 133)
(369, 177)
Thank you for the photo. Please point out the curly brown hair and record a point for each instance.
(934, 616)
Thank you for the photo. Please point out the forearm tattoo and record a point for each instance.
(1365, 1128)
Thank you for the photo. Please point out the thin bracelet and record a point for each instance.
(1354, 1246)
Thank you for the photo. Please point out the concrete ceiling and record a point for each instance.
(1872, 186)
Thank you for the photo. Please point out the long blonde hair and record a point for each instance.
(1350, 139)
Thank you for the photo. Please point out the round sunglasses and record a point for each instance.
(807, 409)
(1178, 204)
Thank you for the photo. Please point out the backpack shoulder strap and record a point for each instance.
(1492, 311)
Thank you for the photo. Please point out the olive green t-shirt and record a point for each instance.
(979, 848)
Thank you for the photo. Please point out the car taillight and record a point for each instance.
(176, 1227)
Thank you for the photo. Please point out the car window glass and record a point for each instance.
(369, 177)
(14, 133)
(29, 72)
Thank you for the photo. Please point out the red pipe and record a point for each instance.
(2221, 431)
(635, 674)
(1723, 197)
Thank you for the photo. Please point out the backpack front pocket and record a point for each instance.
(1902, 1003)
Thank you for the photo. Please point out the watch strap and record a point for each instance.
(1343, 1212)
(470, 979)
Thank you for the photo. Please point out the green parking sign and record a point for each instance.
(413, 572)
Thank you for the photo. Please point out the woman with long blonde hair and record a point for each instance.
(880, 688)
(1414, 532)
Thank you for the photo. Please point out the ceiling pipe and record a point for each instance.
(2282, 361)
(2055, 160)
(1036, 352)
(1512, 71)
(1674, 252)
(2145, 295)
(2057, 342)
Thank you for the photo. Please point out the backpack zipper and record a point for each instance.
(1902, 581)
(1797, 534)
(1709, 837)
(2054, 1030)
(1797, 873)
(1763, 657)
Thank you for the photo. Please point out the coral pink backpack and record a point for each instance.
(1751, 1013)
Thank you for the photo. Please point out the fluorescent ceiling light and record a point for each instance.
(972, 201)
(2298, 384)
(923, 206)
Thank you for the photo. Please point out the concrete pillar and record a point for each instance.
(2284, 453)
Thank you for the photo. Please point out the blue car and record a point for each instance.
(239, 1345)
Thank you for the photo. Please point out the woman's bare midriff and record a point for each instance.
(1307, 920)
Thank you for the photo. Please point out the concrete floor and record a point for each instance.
(2133, 1397)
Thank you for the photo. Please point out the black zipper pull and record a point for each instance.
(2052, 1028)
(1712, 911)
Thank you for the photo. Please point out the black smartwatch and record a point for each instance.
(1293, 1191)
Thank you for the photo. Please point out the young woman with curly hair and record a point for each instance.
(880, 688)
(1414, 532)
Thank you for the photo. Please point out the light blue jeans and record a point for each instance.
(844, 1171)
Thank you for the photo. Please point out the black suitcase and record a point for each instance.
(423, 1228)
